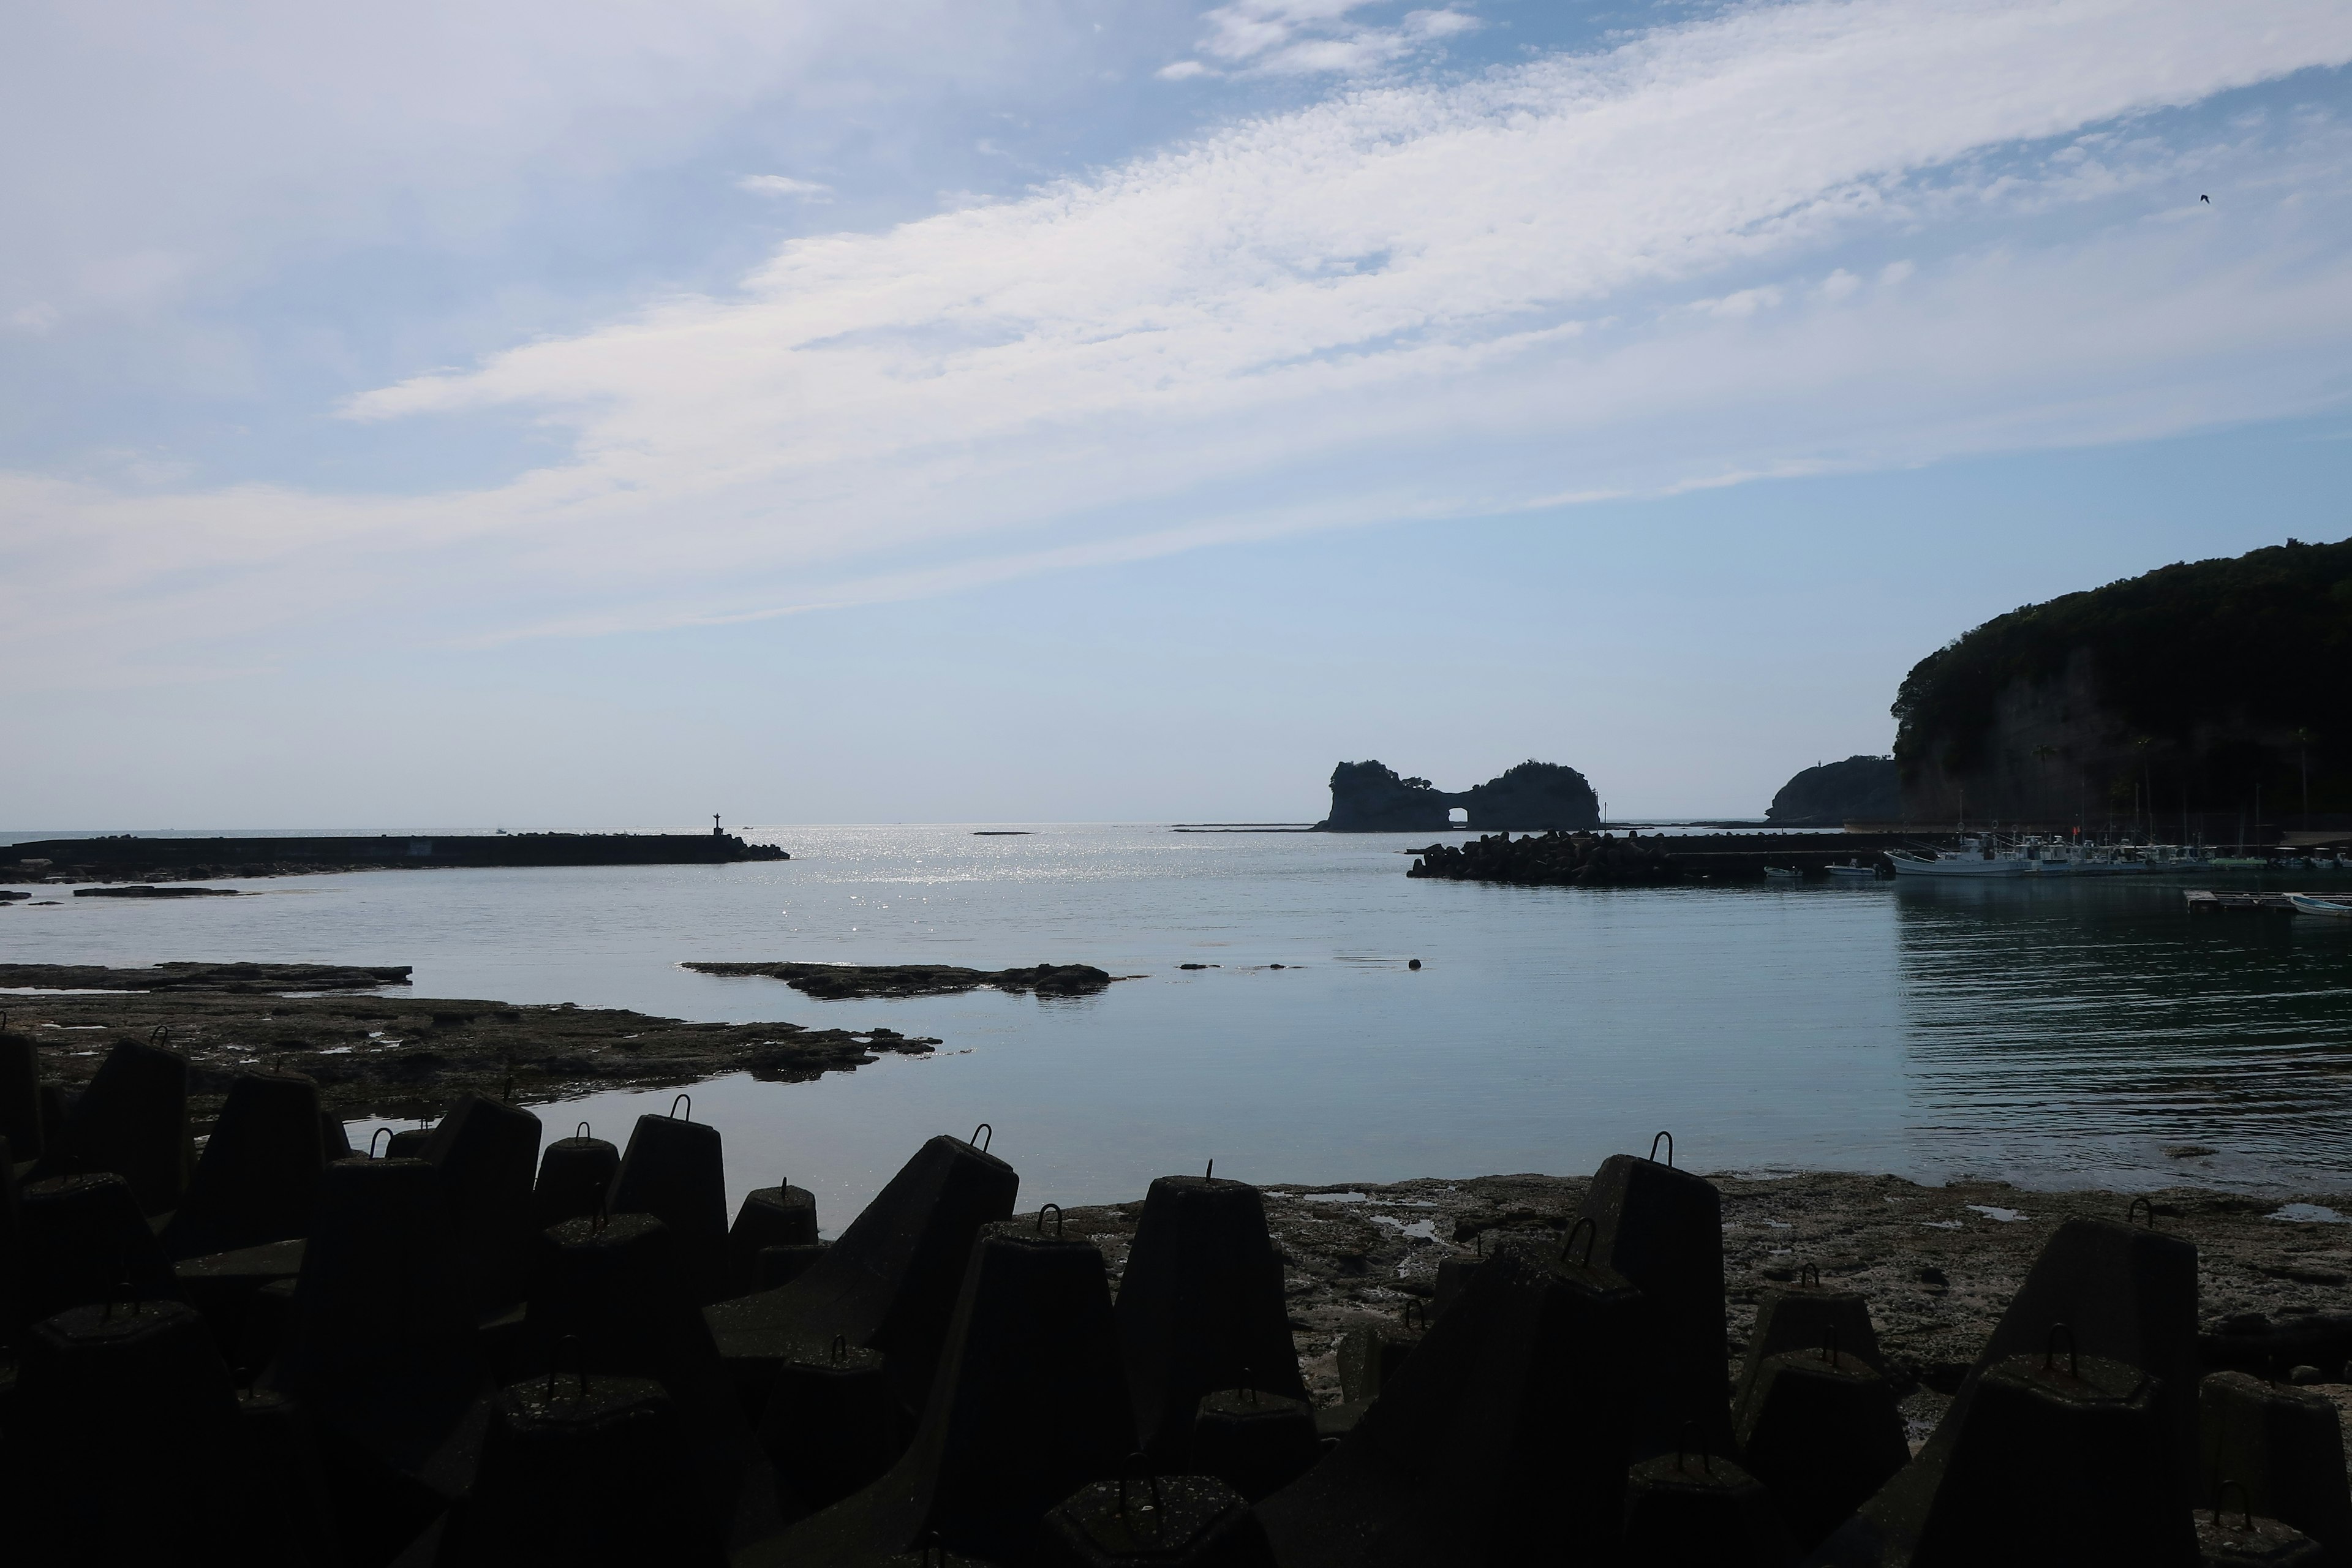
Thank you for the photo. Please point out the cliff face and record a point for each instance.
(1370, 797)
(1829, 794)
(2195, 691)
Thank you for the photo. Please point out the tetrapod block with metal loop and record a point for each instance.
(20, 1095)
(890, 1282)
(2060, 1460)
(2285, 1446)
(1145, 1520)
(381, 1350)
(783, 1215)
(775, 1266)
(1452, 1273)
(121, 1439)
(1805, 1317)
(1369, 1353)
(408, 1142)
(1201, 1308)
(334, 1138)
(575, 1178)
(2236, 1537)
(1663, 1230)
(484, 1151)
(1502, 1439)
(674, 1170)
(1030, 1404)
(83, 1239)
(1692, 1509)
(1257, 1443)
(292, 1523)
(831, 1425)
(223, 1286)
(580, 1471)
(1819, 1429)
(258, 1180)
(2123, 1293)
(611, 1297)
(132, 1119)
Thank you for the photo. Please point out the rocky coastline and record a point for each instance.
(845, 982)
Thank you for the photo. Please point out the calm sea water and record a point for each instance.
(2052, 1036)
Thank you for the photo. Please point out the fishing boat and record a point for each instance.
(1856, 871)
(2337, 908)
(1975, 858)
(1783, 874)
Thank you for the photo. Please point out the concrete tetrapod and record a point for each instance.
(1030, 1404)
(224, 1286)
(575, 1177)
(123, 1440)
(2234, 1538)
(1254, 1441)
(677, 1171)
(1502, 1439)
(1819, 1429)
(484, 1151)
(1807, 1317)
(2125, 1294)
(12, 1262)
(889, 1283)
(82, 1239)
(1661, 1229)
(775, 1266)
(381, 1350)
(610, 1298)
(2061, 1460)
(1155, 1522)
(1696, 1511)
(1369, 1353)
(783, 1215)
(2286, 1447)
(1201, 1309)
(258, 1180)
(132, 1119)
(20, 1094)
(831, 1425)
(579, 1471)
(296, 1526)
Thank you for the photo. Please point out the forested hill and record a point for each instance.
(2190, 687)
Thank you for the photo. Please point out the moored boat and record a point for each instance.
(2333, 909)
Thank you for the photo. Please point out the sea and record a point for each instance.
(2078, 1034)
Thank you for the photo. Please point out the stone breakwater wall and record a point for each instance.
(480, 1346)
(129, 857)
(1604, 860)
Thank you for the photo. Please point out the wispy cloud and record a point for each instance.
(1636, 272)
(785, 185)
(1309, 37)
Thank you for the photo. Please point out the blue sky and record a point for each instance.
(579, 415)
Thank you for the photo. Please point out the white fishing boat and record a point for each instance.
(2333, 909)
(1856, 871)
(1975, 858)
(1783, 874)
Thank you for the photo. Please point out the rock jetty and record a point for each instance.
(128, 857)
(486, 1347)
(839, 982)
(1552, 859)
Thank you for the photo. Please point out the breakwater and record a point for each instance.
(129, 858)
(1604, 860)
(487, 1348)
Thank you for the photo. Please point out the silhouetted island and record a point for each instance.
(129, 857)
(1369, 797)
(1831, 794)
(2192, 699)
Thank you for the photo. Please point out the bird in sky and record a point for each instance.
(2207, 200)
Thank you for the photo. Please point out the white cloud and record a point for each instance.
(1182, 70)
(1432, 300)
(1306, 37)
(785, 185)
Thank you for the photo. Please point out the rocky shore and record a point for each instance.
(377, 1055)
(1552, 859)
(841, 982)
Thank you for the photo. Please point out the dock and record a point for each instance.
(2206, 901)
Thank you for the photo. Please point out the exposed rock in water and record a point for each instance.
(401, 1055)
(1370, 797)
(840, 982)
(235, 979)
(2193, 690)
(150, 890)
(1829, 794)
(1550, 859)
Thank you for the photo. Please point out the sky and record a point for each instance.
(1033, 410)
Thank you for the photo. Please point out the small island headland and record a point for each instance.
(1370, 797)
(131, 858)
(1831, 794)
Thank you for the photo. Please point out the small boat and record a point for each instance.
(2238, 863)
(1783, 874)
(1855, 869)
(2334, 909)
(1975, 857)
